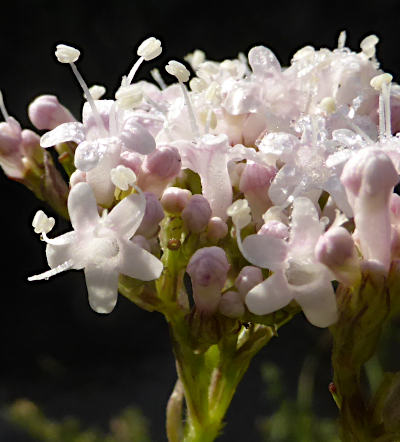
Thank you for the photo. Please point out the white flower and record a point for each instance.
(101, 246)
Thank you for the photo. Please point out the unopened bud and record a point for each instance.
(152, 216)
(248, 278)
(159, 168)
(216, 229)
(150, 48)
(208, 269)
(254, 183)
(231, 305)
(11, 149)
(46, 112)
(66, 54)
(336, 249)
(196, 214)
(175, 199)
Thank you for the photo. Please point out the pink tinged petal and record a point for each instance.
(102, 286)
(137, 262)
(88, 154)
(285, 186)
(126, 216)
(82, 207)
(136, 138)
(99, 177)
(318, 303)
(305, 227)
(61, 249)
(62, 133)
(263, 62)
(269, 296)
(265, 251)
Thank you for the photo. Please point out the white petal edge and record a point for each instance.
(82, 207)
(102, 287)
(62, 133)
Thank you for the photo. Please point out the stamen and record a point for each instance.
(123, 177)
(97, 91)
(42, 223)
(239, 211)
(129, 96)
(342, 40)
(3, 108)
(381, 83)
(179, 71)
(368, 45)
(46, 275)
(149, 49)
(68, 54)
(155, 73)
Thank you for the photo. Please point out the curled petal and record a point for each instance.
(270, 295)
(263, 62)
(60, 249)
(102, 286)
(88, 154)
(138, 263)
(62, 133)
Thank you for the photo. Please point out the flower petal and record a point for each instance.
(305, 228)
(265, 251)
(82, 207)
(61, 249)
(138, 263)
(126, 216)
(64, 132)
(270, 295)
(136, 138)
(88, 154)
(318, 303)
(102, 286)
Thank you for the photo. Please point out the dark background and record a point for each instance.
(54, 349)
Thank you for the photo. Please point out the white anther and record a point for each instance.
(96, 91)
(342, 40)
(212, 93)
(305, 53)
(239, 211)
(208, 118)
(42, 223)
(66, 54)
(123, 177)
(150, 48)
(195, 58)
(368, 45)
(197, 84)
(378, 81)
(178, 70)
(328, 105)
(129, 96)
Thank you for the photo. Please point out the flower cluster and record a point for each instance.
(270, 182)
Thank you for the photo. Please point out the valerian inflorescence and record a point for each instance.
(270, 187)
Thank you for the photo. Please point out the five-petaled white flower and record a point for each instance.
(101, 246)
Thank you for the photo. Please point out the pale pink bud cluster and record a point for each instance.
(196, 214)
(46, 112)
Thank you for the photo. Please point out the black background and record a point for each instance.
(54, 349)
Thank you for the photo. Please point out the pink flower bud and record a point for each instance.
(254, 183)
(30, 141)
(11, 149)
(248, 278)
(159, 168)
(196, 214)
(231, 305)
(217, 229)
(46, 112)
(395, 208)
(174, 199)
(274, 228)
(131, 160)
(337, 251)
(208, 269)
(369, 177)
(152, 216)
